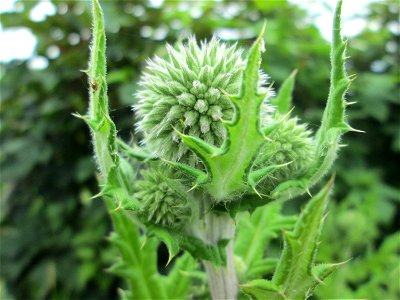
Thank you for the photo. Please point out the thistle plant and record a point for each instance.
(217, 143)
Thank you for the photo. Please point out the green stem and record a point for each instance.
(222, 280)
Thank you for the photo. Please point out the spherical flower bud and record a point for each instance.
(289, 143)
(162, 201)
(183, 92)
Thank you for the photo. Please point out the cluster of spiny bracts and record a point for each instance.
(186, 109)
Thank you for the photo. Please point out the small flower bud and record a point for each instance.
(162, 200)
(175, 112)
(215, 112)
(201, 106)
(204, 124)
(213, 95)
(219, 129)
(198, 88)
(186, 99)
(209, 138)
(289, 143)
(191, 118)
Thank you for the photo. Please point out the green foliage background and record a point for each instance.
(52, 233)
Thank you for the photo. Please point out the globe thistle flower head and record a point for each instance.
(161, 201)
(289, 143)
(183, 92)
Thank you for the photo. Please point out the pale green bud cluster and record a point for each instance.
(290, 145)
(206, 112)
(161, 201)
(184, 93)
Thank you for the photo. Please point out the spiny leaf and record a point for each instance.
(333, 125)
(205, 151)
(283, 101)
(258, 175)
(202, 148)
(251, 72)
(94, 125)
(229, 169)
(334, 122)
(334, 115)
(138, 266)
(199, 175)
(103, 128)
(294, 274)
(321, 271)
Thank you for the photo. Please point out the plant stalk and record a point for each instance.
(222, 280)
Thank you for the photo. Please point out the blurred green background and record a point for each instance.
(53, 243)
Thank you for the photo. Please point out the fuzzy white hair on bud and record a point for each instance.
(183, 91)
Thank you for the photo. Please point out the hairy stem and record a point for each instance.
(222, 279)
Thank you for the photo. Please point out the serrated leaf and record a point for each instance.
(294, 275)
(228, 170)
(103, 128)
(137, 265)
(251, 72)
(200, 176)
(334, 122)
(333, 125)
(203, 149)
